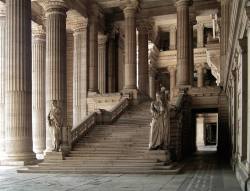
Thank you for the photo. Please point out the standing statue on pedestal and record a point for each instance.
(160, 125)
(55, 124)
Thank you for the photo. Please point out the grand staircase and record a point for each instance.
(113, 149)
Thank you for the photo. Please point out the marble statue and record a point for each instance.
(55, 125)
(160, 124)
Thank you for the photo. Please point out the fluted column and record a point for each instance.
(152, 90)
(183, 68)
(93, 50)
(102, 39)
(55, 61)
(111, 63)
(79, 72)
(143, 79)
(192, 22)
(130, 47)
(172, 43)
(200, 35)
(38, 89)
(172, 72)
(200, 75)
(2, 78)
(18, 120)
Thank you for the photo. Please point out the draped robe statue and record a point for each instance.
(160, 124)
(55, 125)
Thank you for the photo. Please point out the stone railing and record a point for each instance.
(169, 58)
(83, 128)
(102, 101)
(108, 117)
(100, 117)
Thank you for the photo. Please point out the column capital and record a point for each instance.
(102, 39)
(199, 65)
(171, 68)
(130, 8)
(55, 6)
(38, 31)
(143, 26)
(172, 28)
(183, 3)
(2, 9)
(76, 22)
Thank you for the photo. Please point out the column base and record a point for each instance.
(19, 160)
(54, 156)
(90, 93)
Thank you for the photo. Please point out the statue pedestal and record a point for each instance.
(53, 156)
(159, 155)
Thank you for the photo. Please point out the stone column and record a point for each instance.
(248, 93)
(18, 120)
(93, 50)
(2, 77)
(172, 72)
(102, 39)
(143, 79)
(200, 35)
(192, 22)
(38, 89)
(55, 62)
(172, 43)
(130, 47)
(200, 75)
(111, 63)
(152, 90)
(121, 60)
(79, 71)
(200, 130)
(183, 31)
(225, 23)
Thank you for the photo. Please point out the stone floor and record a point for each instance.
(203, 173)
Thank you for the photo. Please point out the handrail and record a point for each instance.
(101, 117)
(111, 116)
(78, 131)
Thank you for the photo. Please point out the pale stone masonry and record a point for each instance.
(102, 39)
(143, 77)
(2, 77)
(183, 52)
(55, 59)
(93, 50)
(38, 88)
(18, 123)
(79, 71)
(130, 47)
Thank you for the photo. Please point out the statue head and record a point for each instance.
(54, 103)
(158, 96)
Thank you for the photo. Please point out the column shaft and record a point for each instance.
(2, 77)
(55, 61)
(79, 74)
(121, 64)
(152, 90)
(93, 54)
(191, 48)
(111, 65)
(200, 36)
(248, 102)
(130, 48)
(18, 121)
(102, 64)
(172, 43)
(200, 76)
(183, 68)
(172, 72)
(38, 91)
(143, 80)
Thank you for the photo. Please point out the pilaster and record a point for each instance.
(102, 39)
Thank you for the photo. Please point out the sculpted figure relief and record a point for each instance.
(160, 124)
(55, 124)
